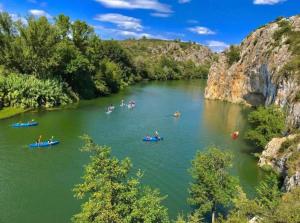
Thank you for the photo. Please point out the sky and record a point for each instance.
(215, 23)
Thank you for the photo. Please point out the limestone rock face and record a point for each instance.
(256, 78)
(280, 160)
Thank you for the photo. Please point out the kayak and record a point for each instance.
(43, 144)
(108, 112)
(152, 139)
(131, 106)
(21, 125)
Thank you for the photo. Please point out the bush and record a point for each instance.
(266, 123)
(29, 92)
(233, 54)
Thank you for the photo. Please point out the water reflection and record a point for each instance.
(224, 117)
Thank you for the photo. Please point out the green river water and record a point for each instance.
(35, 185)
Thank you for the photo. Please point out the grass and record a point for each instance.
(9, 112)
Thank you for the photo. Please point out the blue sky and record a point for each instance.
(216, 23)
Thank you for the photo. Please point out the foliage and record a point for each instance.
(285, 208)
(268, 193)
(213, 186)
(243, 209)
(9, 112)
(233, 54)
(288, 209)
(71, 53)
(266, 123)
(114, 194)
(158, 59)
(30, 92)
(292, 38)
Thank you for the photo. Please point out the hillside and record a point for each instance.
(263, 69)
(185, 59)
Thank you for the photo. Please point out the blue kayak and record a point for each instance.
(22, 125)
(152, 139)
(43, 144)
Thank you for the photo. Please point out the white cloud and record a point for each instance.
(202, 30)
(267, 2)
(183, 1)
(1, 8)
(38, 13)
(161, 15)
(217, 46)
(122, 21)
(137, 4)
(16, 17)
(125, 34)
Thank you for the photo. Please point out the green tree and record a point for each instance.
(212, 185)
(266, 123)
(233, 54)
(115, 195)
(288, 209)
(268, 193)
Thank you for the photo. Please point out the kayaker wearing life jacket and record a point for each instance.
(235, 135)
(156, 134)
(39, 140)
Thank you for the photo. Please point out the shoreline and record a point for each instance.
(9, 112)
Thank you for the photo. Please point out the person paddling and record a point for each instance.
(235, 135)
(39, 140)
(156, 134)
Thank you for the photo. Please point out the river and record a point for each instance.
(36, 185)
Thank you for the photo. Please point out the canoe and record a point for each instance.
(152, 139)
(22, 125)
(43, 144)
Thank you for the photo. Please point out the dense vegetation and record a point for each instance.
(266, 123)
(213, 187)
(163, 60)
(291, 37)
(115, 194)
(233, 54)
(290, 147)
(62, 61)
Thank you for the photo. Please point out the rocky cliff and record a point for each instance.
(283, 154)
(266, 70)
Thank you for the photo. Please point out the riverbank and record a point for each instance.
(11, 112)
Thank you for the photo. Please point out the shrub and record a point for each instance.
(27, 91)
(266, 123)
(233, 54)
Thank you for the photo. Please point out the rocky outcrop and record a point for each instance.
(258, 76)
(283, 154)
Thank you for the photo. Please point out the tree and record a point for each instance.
(233, 54)
(243, 209)
(63, 25)
(212, 185)
(268, 193)
(266, 123)
(288, 209)
(115, 195)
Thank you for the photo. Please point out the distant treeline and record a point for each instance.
(46, 64)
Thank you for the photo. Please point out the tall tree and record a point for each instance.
(113, 195)
(212, 186)
(268, 192)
